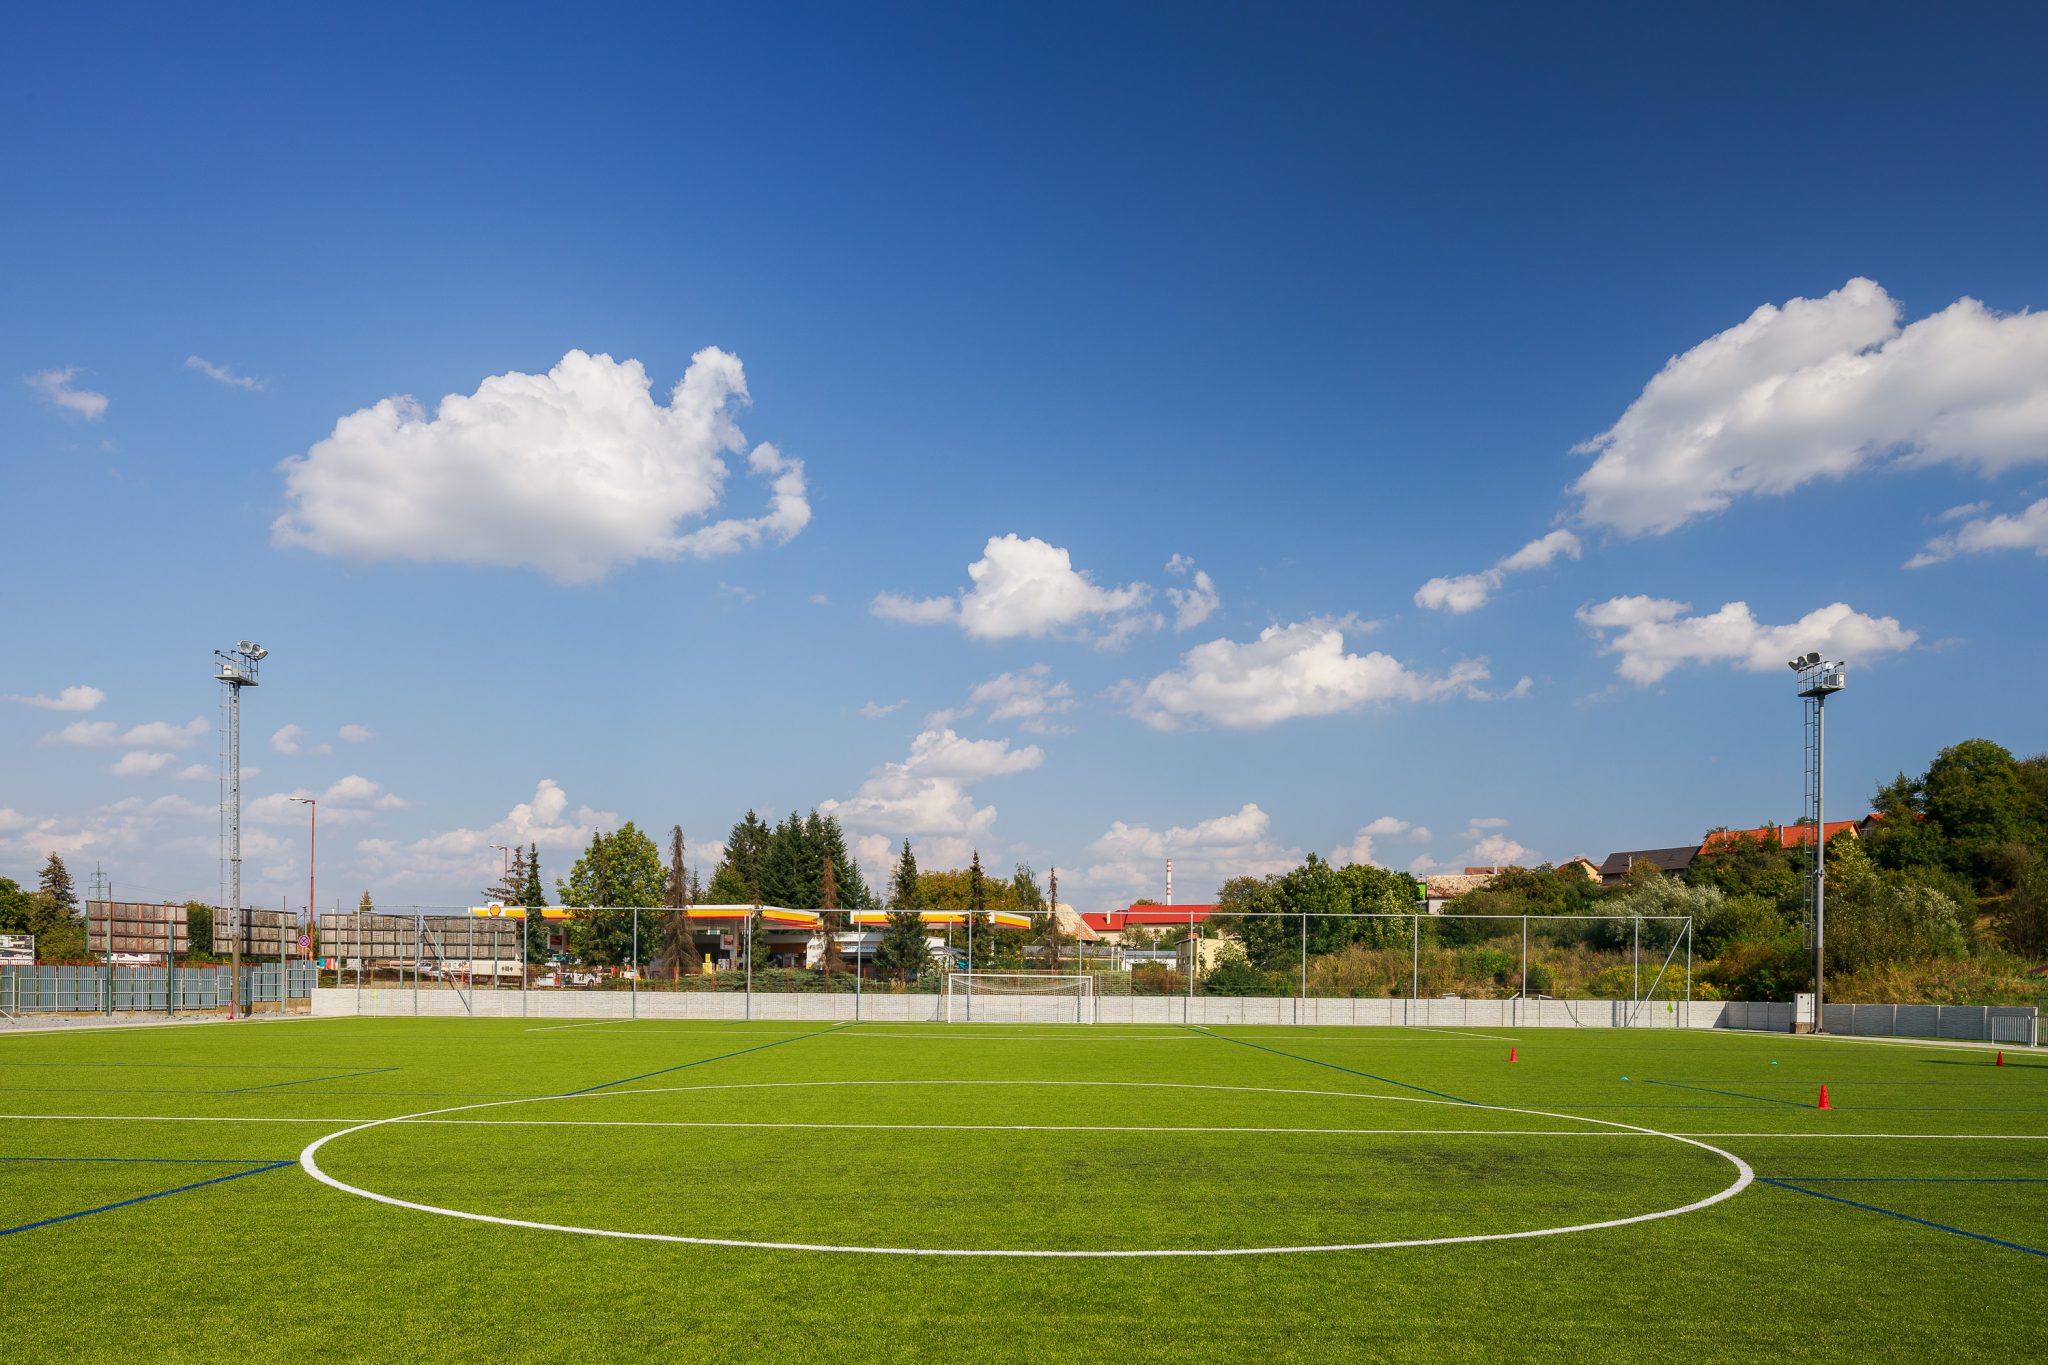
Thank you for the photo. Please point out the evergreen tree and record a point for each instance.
(829, 920)
(511, 882)
(533, 895)
(364, 907)
(679, 953)
(853, 888)
(902, 949)
(737, 879)
(981, 945)
(56, 884)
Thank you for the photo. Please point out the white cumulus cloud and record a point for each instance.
(139, 763)
(1028, 696)
(925, 799)
(77, 697)
(168, 734)
(1362, 847)
(575, 473)
(2026, 531)
(547, 820)
(222, 374)
(55, 386)
(356, 734)
(1302, 669)
(1469, 592)
(1654, 636)
(291, 739)
(1022, 586)
(1820, 388)
(1198, 601)
(1129, 860)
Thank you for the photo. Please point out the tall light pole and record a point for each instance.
(236, 669)
(312, 805)
(1819, 679)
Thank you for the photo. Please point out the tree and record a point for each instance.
(1875, 917)
(679, 954)
(902, 948)
(1247, 907)
(364, 907)
(510, 882)
(829, 919)
(618, 870)
(15, 907)
(56, 884)
(198, 929)
(533, 895)
(737, 878)
(981, 944)
(1974, 794)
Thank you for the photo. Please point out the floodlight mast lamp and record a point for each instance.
(1819, 679)
(235, 669)
(312, 805)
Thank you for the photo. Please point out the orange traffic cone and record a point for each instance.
(1824, 1099)
(2001, 1057)
(1513, 1058)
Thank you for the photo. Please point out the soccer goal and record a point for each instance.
(1019, 998)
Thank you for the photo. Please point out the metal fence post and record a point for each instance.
(1636, 923)
(633, 1007)
(1415, 964)
(419, 928)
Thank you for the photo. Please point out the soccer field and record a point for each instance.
(511, 1188)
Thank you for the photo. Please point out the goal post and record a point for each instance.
(1019, 998)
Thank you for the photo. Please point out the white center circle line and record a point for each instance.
(1744, 1177)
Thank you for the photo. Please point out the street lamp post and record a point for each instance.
(1819, 679)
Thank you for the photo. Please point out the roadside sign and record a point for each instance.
(17, 950)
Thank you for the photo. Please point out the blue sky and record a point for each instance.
(1173, 431)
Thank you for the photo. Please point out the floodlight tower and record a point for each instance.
(1819, 679)
(236, 669)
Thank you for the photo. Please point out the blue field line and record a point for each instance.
(309, 1080)
(724, 1056)
(1903, 1217)
(1383, 1080)
(144, 1198)
(1911, 1179)
(1709, 1090)
(158, 1160)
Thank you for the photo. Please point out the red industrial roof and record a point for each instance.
(1115, 921)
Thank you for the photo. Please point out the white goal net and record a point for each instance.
(1019, 998)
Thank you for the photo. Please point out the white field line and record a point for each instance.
(1073, 1037)
(619, 1123)
(71, 1031)
(1919, 1044)
(1025, 1127)
(1744, 1176)
(556, 1028)
(165, 1118)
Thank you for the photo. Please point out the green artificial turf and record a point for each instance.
(1911, 1220)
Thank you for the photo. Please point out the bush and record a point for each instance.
(1235, 976)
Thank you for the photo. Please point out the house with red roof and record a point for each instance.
(1147, 916)
(1791, 836)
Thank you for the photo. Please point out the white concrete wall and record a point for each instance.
(2017, 1025)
